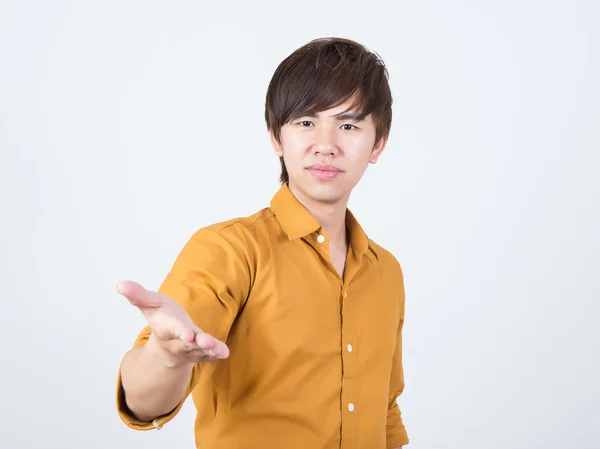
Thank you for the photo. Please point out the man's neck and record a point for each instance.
(331, 216)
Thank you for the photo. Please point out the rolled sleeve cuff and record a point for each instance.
(396, 432)
(132, 422)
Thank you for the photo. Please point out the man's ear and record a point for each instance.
(378, 149)
(276, 144)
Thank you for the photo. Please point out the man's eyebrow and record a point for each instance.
(350, 116)
(346, 116)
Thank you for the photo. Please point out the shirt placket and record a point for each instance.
(349, 387)
(349, 406)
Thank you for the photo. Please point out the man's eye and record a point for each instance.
(306, 123)
(348, 127)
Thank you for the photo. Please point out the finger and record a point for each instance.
(138, 295)
(201, 356)
(184, 334)
(212, 346)
(167, 328)
(204, 359)
(189, 351)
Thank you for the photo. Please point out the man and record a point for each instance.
(285, 326)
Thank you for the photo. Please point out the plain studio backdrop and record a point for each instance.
(124, 127)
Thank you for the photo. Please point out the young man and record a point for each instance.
(285, 326)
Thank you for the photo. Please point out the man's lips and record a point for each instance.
(332, 168)
(324, 172)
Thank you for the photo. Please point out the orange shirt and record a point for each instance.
(315, 359)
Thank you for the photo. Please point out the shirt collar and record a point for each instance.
(293, 217)
(297, 222)
(359, 242)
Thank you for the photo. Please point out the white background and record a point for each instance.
(126, 126)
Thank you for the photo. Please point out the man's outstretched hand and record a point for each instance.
(175, 339)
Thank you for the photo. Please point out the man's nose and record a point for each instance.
(325, 142)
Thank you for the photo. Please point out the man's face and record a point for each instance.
(325, 155)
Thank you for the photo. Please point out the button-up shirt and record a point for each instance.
(315, 357)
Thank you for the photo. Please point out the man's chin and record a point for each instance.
(327, 193)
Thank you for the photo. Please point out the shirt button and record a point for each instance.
(320, 239)
(345, 294)
(349, 348)
(351, 407)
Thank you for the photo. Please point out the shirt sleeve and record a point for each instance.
(396, 432)
(211, 279)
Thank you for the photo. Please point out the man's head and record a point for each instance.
(328, 104)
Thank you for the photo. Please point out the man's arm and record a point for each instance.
(150, 387)
(396, 432)
(188, 322)
(157, 374)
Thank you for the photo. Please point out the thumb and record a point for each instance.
(138, 295)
